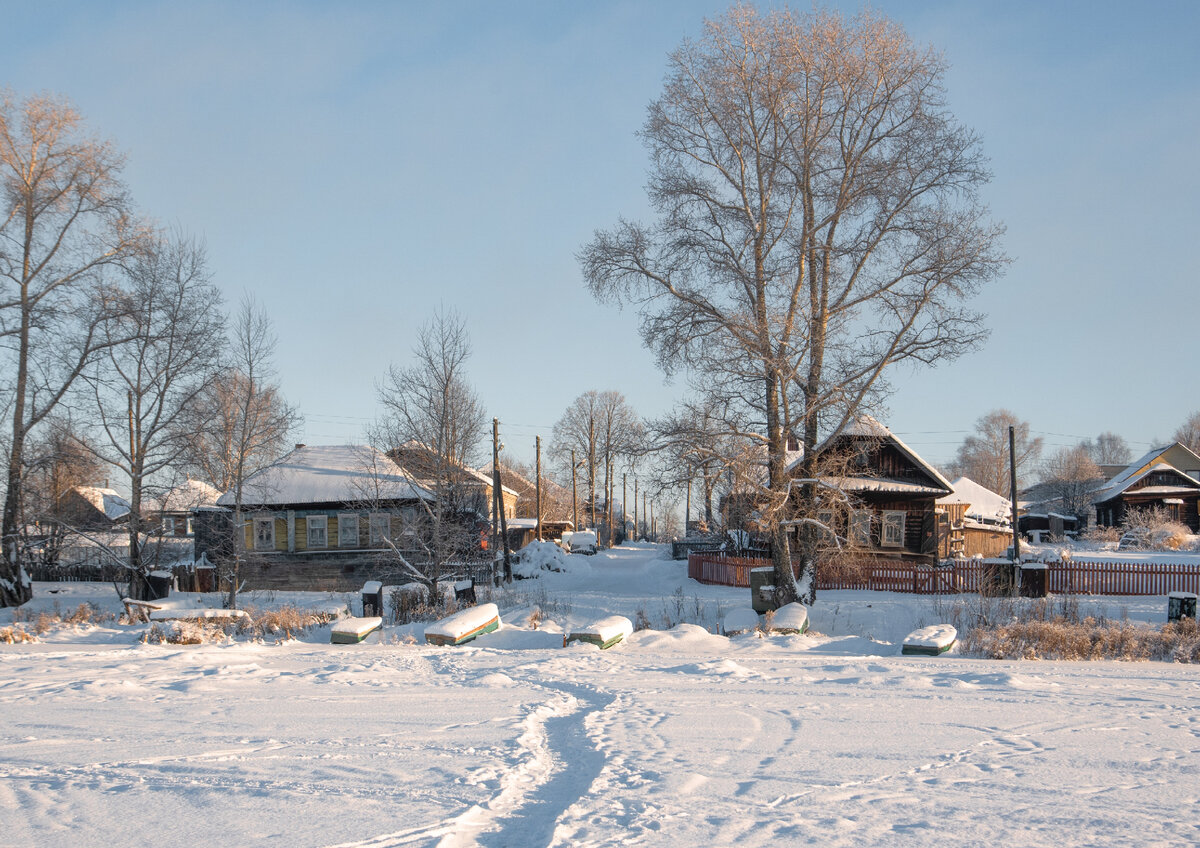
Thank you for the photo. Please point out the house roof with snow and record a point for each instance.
(866, 427)
(984, 504)
(107, 501)
(1169, 457)
(190, 494)
(422, 461)
(1186, 485)
(313, 474)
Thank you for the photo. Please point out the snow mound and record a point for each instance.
(687, 637)
(933, 640)
(537, 557)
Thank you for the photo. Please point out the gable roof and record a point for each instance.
(985, 505)
(868, 427)
(1188, 485)
(329, 474)
(104, 500)
(1152, 461)
(422, 461)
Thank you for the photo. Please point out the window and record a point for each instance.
(318, 527)
(191, 530)
(168, 526)
(348, 530)
(825, 516)
(893, 530)
(264, 534)
(380, 524)
(860, 527)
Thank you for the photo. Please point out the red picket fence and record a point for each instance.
(1115, 577)
(1074, 577)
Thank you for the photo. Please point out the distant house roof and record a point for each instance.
(190, 494)
(422, 461)
(329, 474)
(1140, 467)
(1124, 483)
(106, 501)
(985, 505)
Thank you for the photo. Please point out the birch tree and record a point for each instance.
(161, 355)
(817, 224)
(65, 220)
(435, 423)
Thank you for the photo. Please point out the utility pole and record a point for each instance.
(624, 511)
(134, 552)
(636, 531)
(538, 487)
(498, 500)
(608, 498)
(574, 492)
(645, 520)
(1012, 476)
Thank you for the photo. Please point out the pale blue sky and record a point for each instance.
(357, 165)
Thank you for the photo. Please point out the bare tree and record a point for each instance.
(1111, 449)
(65, 220)
(241, 423)
(578, 430)
(1188, 433)
(57, 459)
(1071, 476)
(818, 224)
(161, 355)
(435, 424)
(983, 455)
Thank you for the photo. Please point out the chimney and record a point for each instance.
(300, 445)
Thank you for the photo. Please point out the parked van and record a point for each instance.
(582, 542)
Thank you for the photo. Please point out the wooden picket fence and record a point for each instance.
(1074, 577)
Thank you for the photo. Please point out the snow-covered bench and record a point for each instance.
(789, 618)
(351, 631)
(738, 621)
(464, 625)
(215, 615)
(929, 641)
(603, 633)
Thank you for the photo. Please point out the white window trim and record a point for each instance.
(346, 520)
(860, 527)
(891, 519)
(372, 535)
(191, 529)
(268, 545)
(168, 525)
(311, 523)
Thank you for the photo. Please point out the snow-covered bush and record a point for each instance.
(537, 557)
(1154, 529)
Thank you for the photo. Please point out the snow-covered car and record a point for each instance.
(582, 542)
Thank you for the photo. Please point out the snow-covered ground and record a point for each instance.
(674, 737)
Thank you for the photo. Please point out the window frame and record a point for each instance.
(347, 520)
(373, 518)
(887, 523)
(261, 544)
(322, 522)
(860, 521)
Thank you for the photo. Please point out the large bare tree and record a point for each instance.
(984, 456)
(64, 221)
(162, 354)
(1188, 433)
(818, 224)
(434, 424)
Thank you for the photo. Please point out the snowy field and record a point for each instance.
(676, 737)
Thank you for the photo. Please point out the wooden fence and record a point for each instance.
(1074, 577)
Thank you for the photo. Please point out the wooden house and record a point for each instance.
(470, 489)
(323, 516)
(174, 512)
(1166, 478)
(881, 500)
(93, 508)
(973, 521)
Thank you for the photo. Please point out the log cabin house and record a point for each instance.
(1166, 477)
